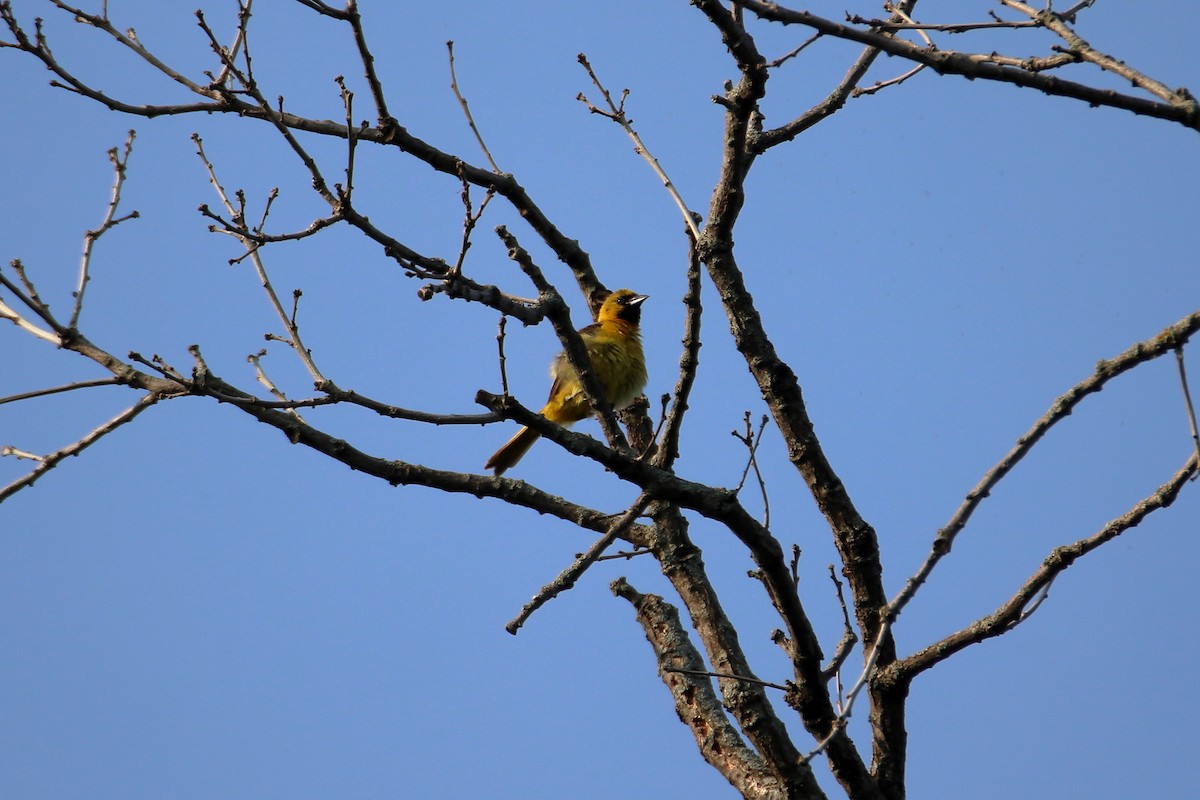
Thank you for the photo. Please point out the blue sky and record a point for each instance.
(195, 608)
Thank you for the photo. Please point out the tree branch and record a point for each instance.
(1181, 108)
(1018, 607)
(568, 577)
(49, 462)
(695, 701)
(1166, 341)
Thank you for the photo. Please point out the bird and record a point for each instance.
(614, 347)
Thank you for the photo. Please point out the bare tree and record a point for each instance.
(739, 721)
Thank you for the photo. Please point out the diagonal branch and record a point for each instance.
(353, 16)
(689, 363)
(69, 387)
(568, 577)
(1079, 48)
(462, 101)
(743, 696)
(1018, 607)
(616, 113)
(293, 339)
(1181, 107)
(15, 317)
(29, 298)
(119, 161)
(1166, 341)
(49, 462)
(681, 668)
(127, 39)
(855, 539)
(1187, 399)
(834, 101)
(218, 99)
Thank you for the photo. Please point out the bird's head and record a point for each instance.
(624, 305)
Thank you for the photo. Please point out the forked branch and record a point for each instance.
(1022, 603)
(1168, 340)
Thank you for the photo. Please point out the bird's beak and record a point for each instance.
(638, 299)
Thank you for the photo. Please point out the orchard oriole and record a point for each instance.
(614, 346)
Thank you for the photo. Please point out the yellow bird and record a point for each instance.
(614, 346)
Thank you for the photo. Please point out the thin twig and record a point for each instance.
(1181, 108)
(1187, 400)
(1170, 338)
(622, 555)
(30, 299)
(952, 27)
(1069, 14)
(567, 578)
(1033, 592)
(261, 376)
(368, 62)
(794, 52)
(1077, 46)
(126, 39)
(293, 339)
(111, 220)
(849, 637)
(500, 354)
(9, 313)
(156, 363)
(471, 219)
(20, 455)
(689, 363)
(69, 387)
(35, 302)
(833, 101)
(864, 677)
(617, 114)
(346, 191)
(725, 676)
(899, 11)
(49, 462)
(462, 101)
(752, 440)
(881, 85)
(238, 39)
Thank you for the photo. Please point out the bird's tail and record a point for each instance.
(512, 451)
